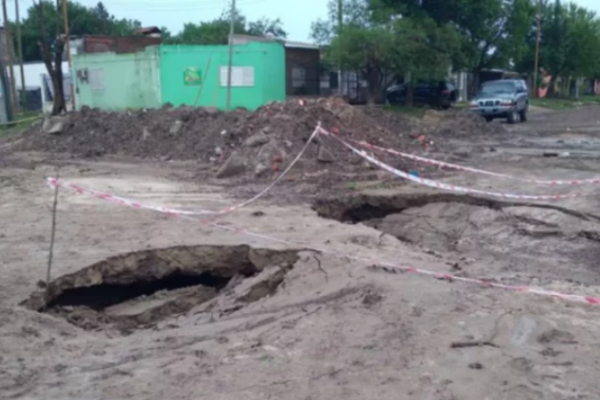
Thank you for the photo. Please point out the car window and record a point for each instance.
(498, 87)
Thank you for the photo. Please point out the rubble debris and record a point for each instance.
(233, 166)
(278, 129)
(325, 155)
(53, 125)
(258, 139)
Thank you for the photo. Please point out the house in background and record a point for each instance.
(39, 90)
(88, 44)
(305, 74)
(192, 75)
(151, 31)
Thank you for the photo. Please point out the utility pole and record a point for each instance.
(537, 49)
(340, 22)
(230, 55)
(20, 50)
(9, 47)
(68, 50)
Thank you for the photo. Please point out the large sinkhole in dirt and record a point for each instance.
(520, 240)
(136, 290)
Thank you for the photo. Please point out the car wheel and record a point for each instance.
(523, 115)
(512, 117)
(489, 119)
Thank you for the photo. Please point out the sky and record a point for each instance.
(296, 15)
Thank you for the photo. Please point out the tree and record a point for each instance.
(491, 31)
(266, 27)
(42, 32)
(82, 21)
(569, 43)
(217, 31)
(381, 44)
(51, 47)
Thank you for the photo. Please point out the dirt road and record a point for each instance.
(310, 322)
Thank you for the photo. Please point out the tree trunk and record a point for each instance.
(410, 94)
(54, 68)
(373, 85)
(54, 71)
(410, 91)
(59, 104)
(552, 86)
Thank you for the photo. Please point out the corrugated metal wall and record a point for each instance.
(196, 75)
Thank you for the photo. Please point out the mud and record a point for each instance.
(367, 206)
(510, 238)
(329, 327)
(136, 290)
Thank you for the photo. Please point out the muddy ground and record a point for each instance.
(148, 306)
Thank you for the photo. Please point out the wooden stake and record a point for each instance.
(52, 233)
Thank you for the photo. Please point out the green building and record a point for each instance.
(192, 75)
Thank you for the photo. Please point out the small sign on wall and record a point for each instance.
(240, 76)
(192, 76)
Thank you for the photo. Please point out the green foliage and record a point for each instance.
(381, 44)
(491, 31)
(569, 42)
(217, 30)
(82, 21)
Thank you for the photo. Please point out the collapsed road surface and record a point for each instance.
(277, 299)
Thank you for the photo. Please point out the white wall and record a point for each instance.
(33, 72)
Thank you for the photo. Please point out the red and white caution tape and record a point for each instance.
(446, 186)
(53, 182)
(430, 161)
(374, 264)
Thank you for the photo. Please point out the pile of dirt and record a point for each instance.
(258, 143)
(456, 122)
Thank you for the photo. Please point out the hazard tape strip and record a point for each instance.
(53, 182)
(375, 264)
(446, 186)
(430, 161)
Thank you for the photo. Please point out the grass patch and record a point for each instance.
(21, 121)
(565, 103)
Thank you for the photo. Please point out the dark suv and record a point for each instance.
(440, 94)
(507, 98)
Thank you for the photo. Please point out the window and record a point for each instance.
(298, 77)
(240, 76)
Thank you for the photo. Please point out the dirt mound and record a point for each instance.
(258, 143)
(456, 122)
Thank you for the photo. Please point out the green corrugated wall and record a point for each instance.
(205, 62)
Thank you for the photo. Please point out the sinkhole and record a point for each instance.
(526, 240)
(138, 289)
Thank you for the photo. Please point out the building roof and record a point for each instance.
(300, 45)
(290, 44)
(147, 30)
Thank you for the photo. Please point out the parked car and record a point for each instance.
(440, 94)
(506, 98)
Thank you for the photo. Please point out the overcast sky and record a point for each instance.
(297, 15)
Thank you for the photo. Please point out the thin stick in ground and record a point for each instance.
(52, 233)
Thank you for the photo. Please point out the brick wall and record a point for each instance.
(118, 44)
